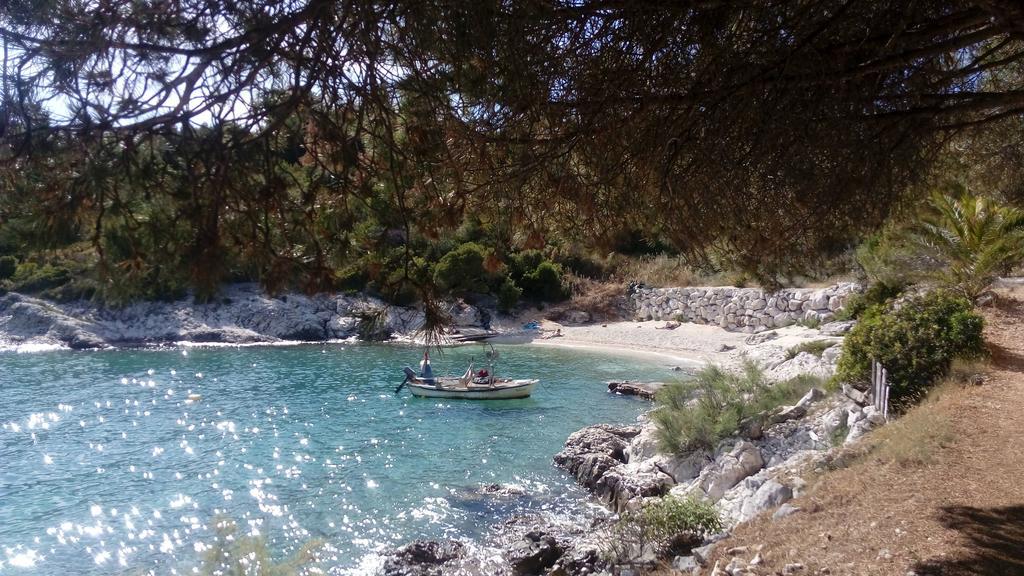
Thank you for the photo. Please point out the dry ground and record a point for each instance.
(954, 507)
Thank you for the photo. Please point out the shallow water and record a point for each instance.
(106, 466)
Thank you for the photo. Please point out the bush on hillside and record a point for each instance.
(545, 283)
(696, 415)
(664, 526)
(508, 295)
(8, 266)
(878, 293)
(916, 342)
(32, 278)
(462, 269)
(523, 263)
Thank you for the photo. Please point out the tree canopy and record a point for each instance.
(764, 130)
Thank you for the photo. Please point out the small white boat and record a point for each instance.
(491, 389)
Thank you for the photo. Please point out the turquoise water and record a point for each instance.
(106, 466)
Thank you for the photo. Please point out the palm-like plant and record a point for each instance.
(972, 239)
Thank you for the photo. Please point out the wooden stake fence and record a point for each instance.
(880, 388)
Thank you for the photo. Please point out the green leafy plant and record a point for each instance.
(508, 295)
(663, 525)
(972, 239)
(462, 269)
(31, 277)
(697, 414)
(545, 283)
(816, 347)
(915, 341)
(877, 293)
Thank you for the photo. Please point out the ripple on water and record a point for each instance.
(111, 460)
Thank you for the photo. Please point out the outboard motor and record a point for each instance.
(409, 372)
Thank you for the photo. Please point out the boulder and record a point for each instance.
(812, 396)
(643, 446)
(685, 564)
(742, 461)
(422, 558)
(854, 394)
(703, 553)
(769, 495)
(589, 453)
(833, 420)
(534, 554)
(642, 389)
(622, 484)
(831, 355)
(786, 413)
(871, 420)
(837, 328)
(785, 510)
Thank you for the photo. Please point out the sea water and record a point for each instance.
(124, 461)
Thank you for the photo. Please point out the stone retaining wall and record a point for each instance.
(741, 309)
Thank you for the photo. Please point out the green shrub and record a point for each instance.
(812, 323)
(462, 269)
(666, 525)
(508, 295)
(8, 266)
(524, 263)
(545, 283)
(916, 342)
(877, 293)
(31, 277)
(696, 415)
(816, 347)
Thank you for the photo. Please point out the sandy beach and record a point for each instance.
(688, 345)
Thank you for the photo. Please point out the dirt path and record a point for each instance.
(960, 513)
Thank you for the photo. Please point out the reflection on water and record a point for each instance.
(127, 461)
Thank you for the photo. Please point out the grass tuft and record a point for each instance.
(816, 347)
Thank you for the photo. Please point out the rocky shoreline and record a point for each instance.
(758, 471)
(242, 314)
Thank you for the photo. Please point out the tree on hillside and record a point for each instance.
(774, 131)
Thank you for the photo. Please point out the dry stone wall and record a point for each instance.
(741, 309)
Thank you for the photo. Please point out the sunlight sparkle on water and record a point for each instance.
(289, 443)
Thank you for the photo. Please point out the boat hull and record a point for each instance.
(509, 391)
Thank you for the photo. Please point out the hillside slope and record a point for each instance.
(940, 493)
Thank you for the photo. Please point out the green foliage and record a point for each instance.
(972, 240)
(524, 263)
(696, 415)
(545, 283)
(813, 323)
(878, 293)
(888, 258)
(508, 295)
(32, 278)
(8, 266)
(462, 269)
(660, 523)
(915, 341)
(816, 347)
